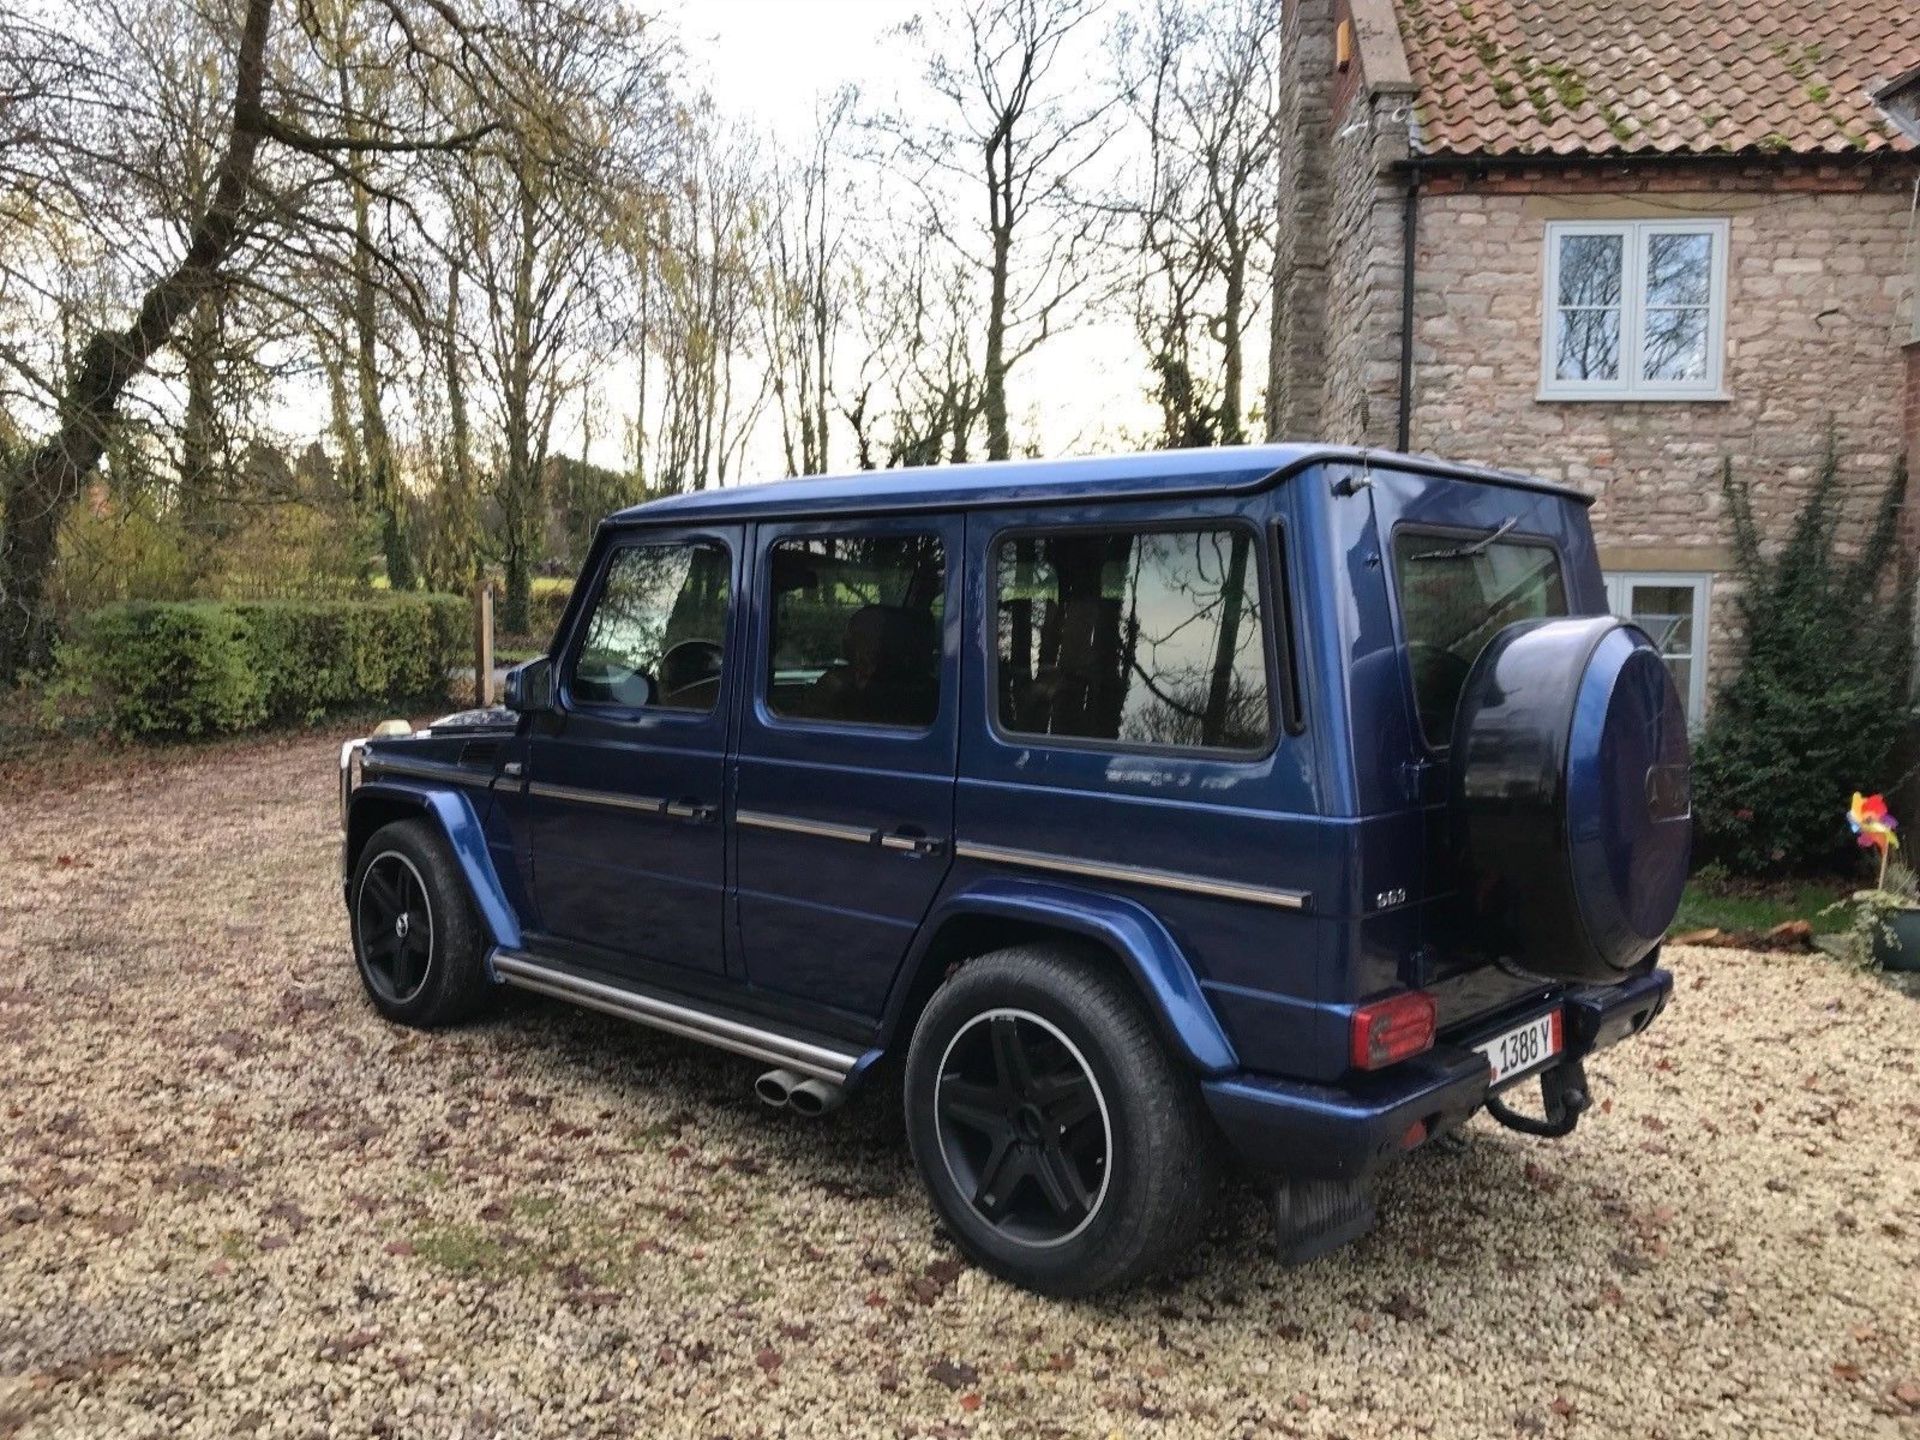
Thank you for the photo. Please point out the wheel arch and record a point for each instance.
(377, 803)
(999, 913)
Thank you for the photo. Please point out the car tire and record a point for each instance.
(1100, 1179)
(407, 880)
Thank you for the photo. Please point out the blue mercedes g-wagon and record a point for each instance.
(1274, 806)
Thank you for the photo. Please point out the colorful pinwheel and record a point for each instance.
(1873, 827)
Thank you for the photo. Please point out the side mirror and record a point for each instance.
(529, 687)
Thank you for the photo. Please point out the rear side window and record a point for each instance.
(1137, 637)
(856, 629)
(1456, 593)
(654, 636)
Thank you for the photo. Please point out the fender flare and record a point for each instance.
(453, 812)
(1131, 931)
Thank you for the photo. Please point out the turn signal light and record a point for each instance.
(1389, 1031)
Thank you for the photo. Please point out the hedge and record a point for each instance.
(197, 668)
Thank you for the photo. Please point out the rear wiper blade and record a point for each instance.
(1461, 552)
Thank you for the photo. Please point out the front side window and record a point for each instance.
(655, 637)
(1672, 609)
(856, 629)
(1144, 638)
(1456, 593)
(1635, 309)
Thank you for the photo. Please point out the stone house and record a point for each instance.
(1610, 242)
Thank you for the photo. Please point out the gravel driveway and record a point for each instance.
(233, 1202)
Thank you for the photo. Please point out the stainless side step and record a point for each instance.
(529, 973)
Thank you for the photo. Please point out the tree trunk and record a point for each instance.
(200, 459)
(41, 488)
(1000, 223)
(521, 497)
(460, 437)
(1232, 329)
(382, 484)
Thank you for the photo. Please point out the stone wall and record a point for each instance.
(1297, 354)
(1818, 302)
(1360, 386)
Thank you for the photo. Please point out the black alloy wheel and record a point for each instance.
(1061, 1143)
(1023, 1127)
(394, 922)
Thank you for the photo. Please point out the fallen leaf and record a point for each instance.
(970, 1401)
(953, 1376)
(347, 1345)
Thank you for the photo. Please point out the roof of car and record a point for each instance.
(1156, 474)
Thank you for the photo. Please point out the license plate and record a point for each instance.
(1523, 1048)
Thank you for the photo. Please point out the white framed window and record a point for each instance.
(1672, 609)
(1634, 310)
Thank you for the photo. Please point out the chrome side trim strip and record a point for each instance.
(613, 799)
(1135, 875)
(374, 763)
(528, 973)
(825, 829)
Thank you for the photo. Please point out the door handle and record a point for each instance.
(909, 844)
(689, 810)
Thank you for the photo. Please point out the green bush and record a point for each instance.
(1821, 699)
(214, 668)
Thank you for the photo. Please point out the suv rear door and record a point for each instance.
(842, 807)
(1464, 558)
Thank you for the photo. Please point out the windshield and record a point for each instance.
(1457, 593)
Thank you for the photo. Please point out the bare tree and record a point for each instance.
(712, 392)
(76, 156)
(805, 301)
(538, 221)
(1200, 80)
(1015, 127)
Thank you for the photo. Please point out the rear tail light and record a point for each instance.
(1389, 1031)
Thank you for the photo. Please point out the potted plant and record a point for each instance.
(1885, 930)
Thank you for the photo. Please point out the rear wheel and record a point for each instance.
(416, 939)
(1061, 1144)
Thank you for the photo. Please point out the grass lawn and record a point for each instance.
(1717, 903)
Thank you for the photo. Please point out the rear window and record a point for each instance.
(1134, 637)
(1456, 593)
(856, 629)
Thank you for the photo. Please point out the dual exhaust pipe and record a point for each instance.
(809, 1096)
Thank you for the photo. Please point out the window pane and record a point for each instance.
(1451, 604)
(856, 629)
(1676, 345)
(655, 635)
(1150, 639)
(1679, 269)
(1588, 345)
(1665, 612)
(1590, 269)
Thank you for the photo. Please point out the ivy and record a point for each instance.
(1821, 700)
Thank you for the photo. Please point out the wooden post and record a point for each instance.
(483, 644)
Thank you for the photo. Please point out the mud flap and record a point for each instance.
(1313, 1217)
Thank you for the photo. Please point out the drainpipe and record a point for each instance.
(1409, 229)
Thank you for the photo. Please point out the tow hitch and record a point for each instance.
(1563, 1094)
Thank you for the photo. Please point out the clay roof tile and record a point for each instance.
(1622, 77)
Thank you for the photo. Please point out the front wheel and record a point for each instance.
(1062, 1146)
(416, 940)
